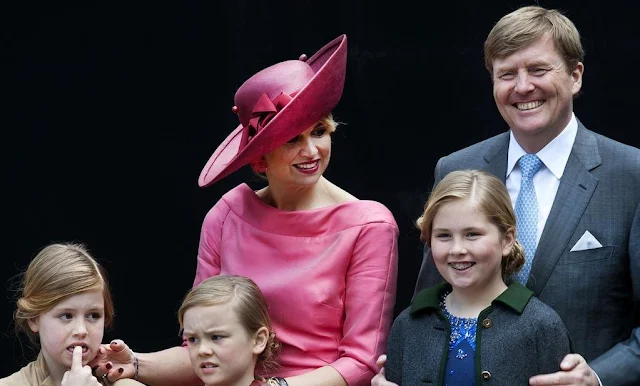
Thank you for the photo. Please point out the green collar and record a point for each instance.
(516, 297)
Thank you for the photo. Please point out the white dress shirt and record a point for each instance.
(554, 158)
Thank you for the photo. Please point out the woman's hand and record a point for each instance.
(78, 375)
(115, 359)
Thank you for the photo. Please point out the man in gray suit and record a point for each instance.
(587, 262)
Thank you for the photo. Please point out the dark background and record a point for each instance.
(109, 112)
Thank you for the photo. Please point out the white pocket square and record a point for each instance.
(587, 241)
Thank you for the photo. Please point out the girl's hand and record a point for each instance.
(78, 375)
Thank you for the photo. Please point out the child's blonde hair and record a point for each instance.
(492, 199)
(246, 300)
(56, 273)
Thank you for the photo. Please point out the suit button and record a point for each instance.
(486, 375)
(486, 323)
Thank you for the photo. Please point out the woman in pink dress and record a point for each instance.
(325, 260)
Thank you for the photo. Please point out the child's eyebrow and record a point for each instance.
(71, 309)
(214, 331)
(466, 229)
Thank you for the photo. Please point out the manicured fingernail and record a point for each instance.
(121, 370)
(109, 366)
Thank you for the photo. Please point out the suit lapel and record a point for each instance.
(574, 193)
(496, 157)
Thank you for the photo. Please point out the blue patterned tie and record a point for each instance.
(527, 213)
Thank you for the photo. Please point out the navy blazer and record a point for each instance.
(596, 292)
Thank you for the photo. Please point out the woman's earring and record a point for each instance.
(259, 165)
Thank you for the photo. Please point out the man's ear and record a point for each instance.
(576, 76)
(260, 340)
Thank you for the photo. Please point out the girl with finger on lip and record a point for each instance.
(64, 303)
(479, 324)
(225, 322)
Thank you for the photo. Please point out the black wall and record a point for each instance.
(110, 111)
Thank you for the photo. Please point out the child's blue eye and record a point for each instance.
(192, 339)
(66, 316)
(95, 316)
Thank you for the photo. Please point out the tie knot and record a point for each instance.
(529, 165)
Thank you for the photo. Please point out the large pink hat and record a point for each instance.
(277, 104)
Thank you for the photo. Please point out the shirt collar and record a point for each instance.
(516, 297)
(42, 372)
(554, 156)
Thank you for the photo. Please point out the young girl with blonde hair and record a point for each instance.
(226, 326)
(63, 307)
(479, 324)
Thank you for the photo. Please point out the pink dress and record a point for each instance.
(329, 275)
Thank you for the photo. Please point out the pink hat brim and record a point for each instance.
(314, 101)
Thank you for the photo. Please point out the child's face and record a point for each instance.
(467, 248)
(78, 320)
(222, 352)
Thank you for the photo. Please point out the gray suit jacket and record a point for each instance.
(596, 292)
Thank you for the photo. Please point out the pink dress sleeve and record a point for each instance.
(209, 248)
(210, 239)
(369, 302)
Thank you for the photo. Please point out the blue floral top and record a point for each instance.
(459, 369)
